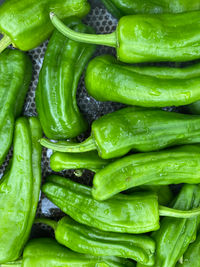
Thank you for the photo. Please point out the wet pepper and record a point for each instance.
(90, 160)
(26, 23)
(63, 65)
(137, 129)
(175, 235)
(120, 8)
(47, 252)
(19, 189)
(88, 240)
(147, 38)
(172, 166)
(15, 77)
(145, 86)
(136, 213)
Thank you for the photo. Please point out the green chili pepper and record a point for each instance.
(90, 160)
(19, 189)
(172, 166)
(63, 65)
(138, 129)
(47, 252)
(15, 77)
(175, 235)
(147, 38)
(65, 161)
(26, 23)
(88, 240)
(191, 257)
(142, 86)
(121, 8)
(137, 213)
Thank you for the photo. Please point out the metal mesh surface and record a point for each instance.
(102, 22)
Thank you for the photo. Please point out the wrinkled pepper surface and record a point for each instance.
(191, 258)
(19, 189)
(26, 23)
(172, 166)
(63, 65)
(43, 252)
(89, 240)
(136, 213)
(142, 86)
(175, 235)
(147, 38)
(120, 8)
(91, 161)
(137, 129)
(15, 77)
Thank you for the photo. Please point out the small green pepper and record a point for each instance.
(175, 235)
(19, 189)
(88, 240)
(91, 161)
(137, 129)
(191, 258)
(147, 38)
(43, 252)
(63, 65)
(120, 8)
(172, 166)
(15, 77)
(26, 23)
(136, 213)
(142, 86)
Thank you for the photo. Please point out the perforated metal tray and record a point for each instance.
(101, 20)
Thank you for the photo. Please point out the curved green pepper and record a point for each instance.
(147, 38)
(172, 166)
(19, 189)
(143, 86)
(88, 240)
(26, 23)
(137, 213)
(47, 252)
(90, 160)
(63, 65)
(191, 257)
(119, 8)
(15, 77)
(175, 235)
(115, 134)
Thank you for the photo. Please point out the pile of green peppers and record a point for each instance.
(130, 216)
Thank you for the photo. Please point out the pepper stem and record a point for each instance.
(99, 39)
(170, 212)
(5, 42)
(62, 146)
(49, 222)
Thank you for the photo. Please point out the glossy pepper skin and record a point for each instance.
(38, 27)
(172, 166)
(63, 65)
(89, 240)
(192, 255)
(137, 129)
(147, 38)
(19, 189)
(91, 161)
(136, 213)
(120, 8)
(142, 86)
(175, 235)
(44, 252)
(15, 77)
